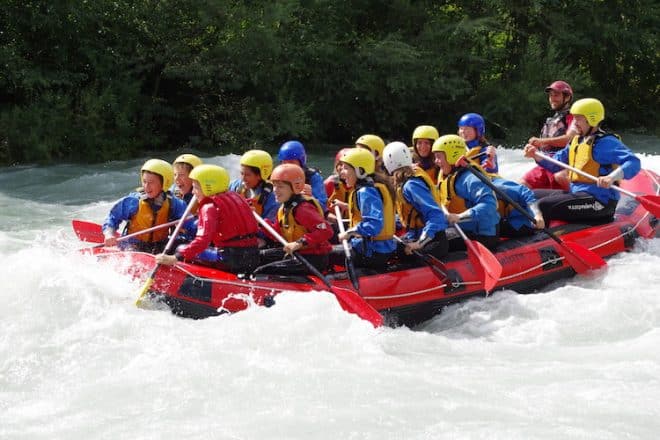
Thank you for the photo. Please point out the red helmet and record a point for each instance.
(340, 153)
(290, 173)
(560, 86)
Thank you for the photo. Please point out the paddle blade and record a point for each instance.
(481, 257)
(353, 303)
(142, 293)
(352, 275)
(88, 231)
(651, 203)
(580, 258)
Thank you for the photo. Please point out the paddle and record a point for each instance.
(349, 301)
(347, 251)
(650, 202)
(580, 258)
(481, 258)
(92, 232)
(150, 279)
(435, 264)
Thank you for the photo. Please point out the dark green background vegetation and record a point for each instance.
(93, 80)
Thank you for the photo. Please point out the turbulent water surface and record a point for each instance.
(79, 361)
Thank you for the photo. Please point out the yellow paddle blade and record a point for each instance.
(142, 294)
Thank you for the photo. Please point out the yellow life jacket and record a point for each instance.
(290, 229)
(408, 215)
(448, 196)
(146, 218)
(580, 156)
(340, 192)
(474, 151)
(388, 212)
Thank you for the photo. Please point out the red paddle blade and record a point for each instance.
(88, 231)
(481, 257)
(580, 258)
(354, 303)
(651, 203)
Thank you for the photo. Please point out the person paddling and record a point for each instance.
(227, 230)
(300, 221)
(182, 166)
(370, 210)
(472, 128)
(467, 198)
(150, 205)
(595, 152)
(422, 141)
(417, 203)
(294, 152)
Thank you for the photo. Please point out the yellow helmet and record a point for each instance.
(189, 159)
(590, 108)
(452, 145)
(425, 132)
(372, 142)
(258, 159)
(213, 179)
(162, 168)
(361, 160)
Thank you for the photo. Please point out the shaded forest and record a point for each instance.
(94, 80)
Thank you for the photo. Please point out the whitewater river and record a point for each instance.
(79, 361)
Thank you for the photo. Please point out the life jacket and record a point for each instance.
(241, 228)
(257, 203)
(292, 230)
(340, 191)
(429, 167)
(388, 210)
(472, 153)
(408, 215)
(448, 197)
(149, 215)
(580, 156)
(556, 125)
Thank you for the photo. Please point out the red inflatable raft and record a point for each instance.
(404, 294)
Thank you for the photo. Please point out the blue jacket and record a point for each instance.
(370, 206)
(481, 202)
(522, 196)
(318, 189)
(418, 195)
(270, 205)
(125, 208)
(606, 150)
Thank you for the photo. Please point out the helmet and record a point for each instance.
(425, 132)
(292, 174)
(560, 86)
(360, 159)
(189, 159)
(452, 145)
(293, 150)
(474, 120)
(371, 141)
(590, 108)
(396, 155)
(162, 168)
(213, 179)
(258, 159)
(340, 153)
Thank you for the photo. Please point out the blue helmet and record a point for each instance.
(474, 120)
(293, 150)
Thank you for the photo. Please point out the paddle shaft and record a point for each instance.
(297, 255)
(582, 173)
(433, 264)
(347, 250)
(168, 247)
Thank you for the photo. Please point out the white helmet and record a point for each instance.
(396, 155)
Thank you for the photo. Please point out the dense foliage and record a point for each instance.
(93, 80)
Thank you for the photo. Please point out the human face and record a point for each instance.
(556, 99)
(181, 179)
(441, 162)
(467, 133)
(282, 190)
(581, 125)
(152, 184)
(347, 173)
(249, 177)
(423, 147)
(197, 190)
